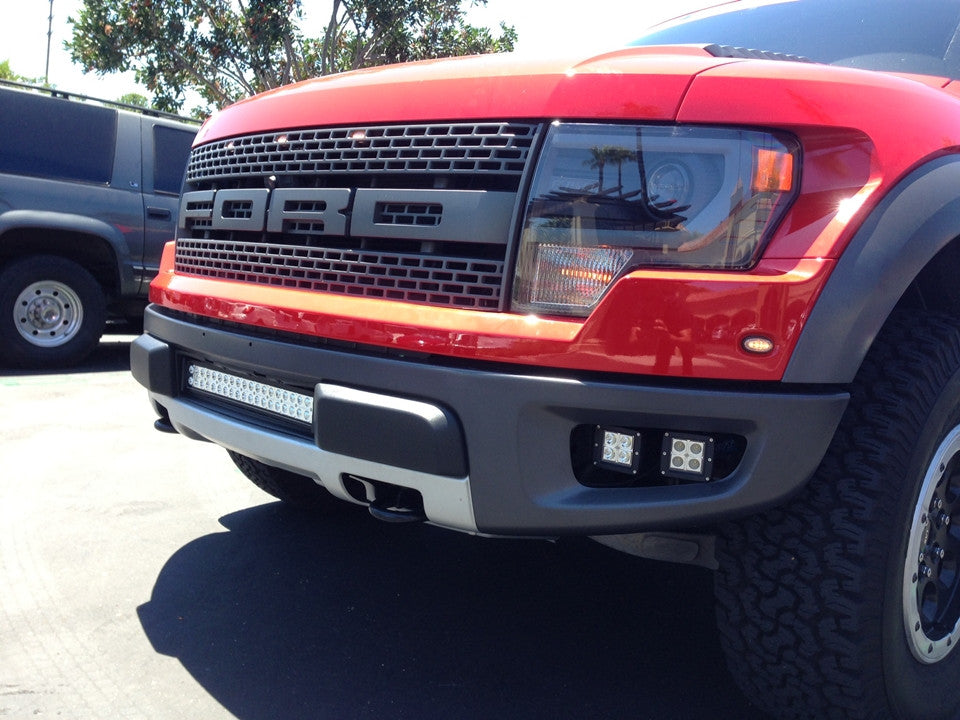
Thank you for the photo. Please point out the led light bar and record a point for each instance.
(276, 400)
(687, 457)
(616, 449)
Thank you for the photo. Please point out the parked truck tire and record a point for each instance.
(297, 491)
(847, 600)
(52, 312)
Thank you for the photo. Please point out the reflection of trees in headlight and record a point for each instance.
(600, 156)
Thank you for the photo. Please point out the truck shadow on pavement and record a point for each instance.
(112, 354)
(340, 616)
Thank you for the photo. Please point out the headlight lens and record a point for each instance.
(609, 198)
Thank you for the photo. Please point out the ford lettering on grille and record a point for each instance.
(447, 215)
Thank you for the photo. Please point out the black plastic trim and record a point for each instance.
(517, 428)
(388, 429)
(902, 234)
(731, 51)
(152, 365)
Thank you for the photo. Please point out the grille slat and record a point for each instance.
(407, 277)
(498, 148)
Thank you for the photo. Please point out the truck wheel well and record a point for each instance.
(90, 251)
(935, 289)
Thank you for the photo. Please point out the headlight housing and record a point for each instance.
(609, 198)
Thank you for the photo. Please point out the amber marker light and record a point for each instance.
(772, 171)
(603, 278)
(757, 345)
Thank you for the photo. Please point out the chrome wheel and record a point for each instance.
(931, 571)
(48, 313)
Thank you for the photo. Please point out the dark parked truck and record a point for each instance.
(88, 198)
(697, 298)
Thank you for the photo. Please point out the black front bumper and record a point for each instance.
(510, 433)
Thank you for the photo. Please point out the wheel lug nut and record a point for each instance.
(926, 572)
(941, 552)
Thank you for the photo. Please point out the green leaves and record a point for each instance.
(224, 50)
(7, 73)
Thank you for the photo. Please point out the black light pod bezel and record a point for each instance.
(600, 436)
(687, 456)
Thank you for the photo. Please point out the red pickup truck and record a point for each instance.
(697, 298)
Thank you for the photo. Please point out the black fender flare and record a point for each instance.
(914, 222)
(72, 223)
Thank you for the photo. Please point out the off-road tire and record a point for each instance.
(52, 312)
(297, 491)
(813, 598)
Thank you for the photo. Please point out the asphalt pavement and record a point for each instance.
(142, 576)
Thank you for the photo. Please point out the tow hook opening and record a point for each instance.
(387, 502)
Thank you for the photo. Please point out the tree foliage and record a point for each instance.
(7, 73)
(135, 99)
(228, 49)
(617, 155)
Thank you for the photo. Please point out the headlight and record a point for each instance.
(609, 198)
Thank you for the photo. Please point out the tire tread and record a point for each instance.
(794, 586)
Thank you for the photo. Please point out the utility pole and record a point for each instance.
(46, 71)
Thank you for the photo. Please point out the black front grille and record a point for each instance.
(381, 211)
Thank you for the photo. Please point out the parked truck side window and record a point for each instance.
(171, 148)
(60, 139)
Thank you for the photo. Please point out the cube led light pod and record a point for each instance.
(687, 457)
(616, 449)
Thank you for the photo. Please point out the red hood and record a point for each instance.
(682, 84)
(632, 83)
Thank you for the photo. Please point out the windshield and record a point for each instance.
(915, 36)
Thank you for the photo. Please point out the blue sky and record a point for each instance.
(543, 26)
